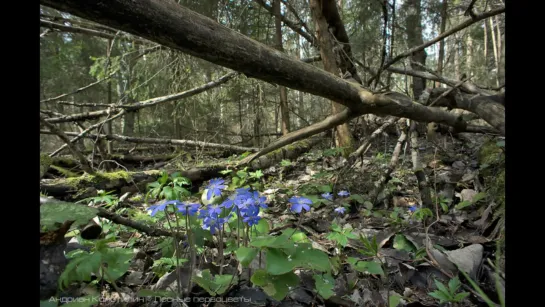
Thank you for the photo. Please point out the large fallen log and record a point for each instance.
(490, 108)
(85, 186)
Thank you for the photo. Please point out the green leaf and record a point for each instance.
(442, 287)
(214, 285)
(226, 171)
(357, 198)
(324, 285)
(368, 205)
(55, 213)
(262, 227)
(325, 188)
(276, 286)
(169, 193)
(257, 174)
(461, 296)
(320, 260)
(336, 227)
(401, 243)
(463, 204)
(479, 196)
(394, 300)
(278, 262)
(370, 267)
(444, 207)
(440, 296)
(245, 255)
(285, 163)
(454, 284)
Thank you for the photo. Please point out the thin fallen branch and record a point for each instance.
(131, 139)
(440, 37)
(367, 143)
(294, 12)
(85, 165)
(146, 103)
(423, 186)
(84, 132)
(384, 178)
(79, 89)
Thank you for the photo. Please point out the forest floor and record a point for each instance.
(381, 252)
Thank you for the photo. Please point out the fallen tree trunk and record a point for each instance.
(202, 37)
(85, 186)
(130, 139)
(490, 108)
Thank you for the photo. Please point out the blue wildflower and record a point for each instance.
(161, 207)
(215, 187)
(212, 224)
(260, 200)
(298, 203)
(340, 210)
(327, 196)
(203, 213)
(412, 209)
(230, 201)
(343, 193)
(214, 210)
(251, 215)
(190, 209)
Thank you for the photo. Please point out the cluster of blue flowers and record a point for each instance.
(338, 210)
(244, 202)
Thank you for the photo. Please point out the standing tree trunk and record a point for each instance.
(456, 52)
(444, 16)
(413, 23)
(501, 62)
(495, 49)
(343, 138)
(257, 122)
(284, 110)
(469, 62)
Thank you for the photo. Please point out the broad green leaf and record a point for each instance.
(277, 286)
(320, 260)
(60, 212)
(260, 278)
(463, 204)
(336, 227)
(370, 267)
(278, 262)
(245, 255)
(368, 205)
(357, 198)
(478, 197)
(325, 188)
(169, 193)
(444, 207)
(324, 285)
(262, 227)
(401, 243)
(394, 300)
